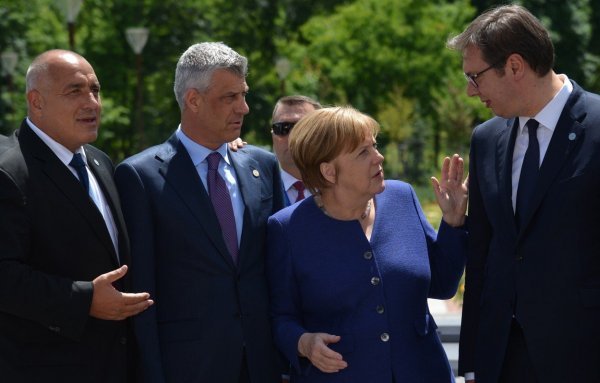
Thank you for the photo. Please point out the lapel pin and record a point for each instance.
(96, 162)
(255, 173)
(572, 136)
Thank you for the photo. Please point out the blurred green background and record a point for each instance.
(385, 57)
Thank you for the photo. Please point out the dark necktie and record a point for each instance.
(529, 174)
(299, 186)
(79, 166)
(219, 196)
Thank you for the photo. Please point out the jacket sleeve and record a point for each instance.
(479, 239)
(57, 303)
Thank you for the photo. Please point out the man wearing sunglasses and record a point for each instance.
(289, 110)
(532, 295)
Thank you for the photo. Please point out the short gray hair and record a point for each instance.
(198, 63)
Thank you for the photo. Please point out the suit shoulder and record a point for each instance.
(395, 189)
(146, 156)
(257, 153)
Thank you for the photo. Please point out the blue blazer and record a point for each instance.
(207, 310)
(325, 276)
(549, 274)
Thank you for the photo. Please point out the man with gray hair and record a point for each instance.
(197, 215)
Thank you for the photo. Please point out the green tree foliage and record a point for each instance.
(387, 58)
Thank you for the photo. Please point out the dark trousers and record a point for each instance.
(517, 366)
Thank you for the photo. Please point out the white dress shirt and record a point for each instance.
(288, 184)
(198, 153)
(548, 118)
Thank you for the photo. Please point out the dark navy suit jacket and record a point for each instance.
(207, 310)
(325, 276)
(548, 275)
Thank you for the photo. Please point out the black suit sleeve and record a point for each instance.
(59, 304)
(479, 239)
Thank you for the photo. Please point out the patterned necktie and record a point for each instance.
(79, 166)
(299, 186)
(529, 173)
(221, 201)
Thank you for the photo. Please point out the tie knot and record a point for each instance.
(532, 126)
(298, 185)
(77, 161)
(213, 160)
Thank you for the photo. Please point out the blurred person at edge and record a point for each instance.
(287, 112)
(351, 267)
(64, 248)
(532, 295)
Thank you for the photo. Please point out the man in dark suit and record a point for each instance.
(197, 215)
(287, 112)
(532, 299)
(63, 247)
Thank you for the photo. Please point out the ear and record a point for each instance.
(328, 171)
(192, 99)
(35, 101)
(516, 65)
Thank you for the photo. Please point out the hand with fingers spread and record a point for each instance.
(451, 192)
(314, 347)
(109, 303)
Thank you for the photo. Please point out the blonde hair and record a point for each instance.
(324, 134)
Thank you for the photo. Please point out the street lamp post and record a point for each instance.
(137, 38)
(70, 9)
(8, 60)
(282, 67)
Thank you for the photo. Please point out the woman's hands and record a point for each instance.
(314, 347)
(451, 191)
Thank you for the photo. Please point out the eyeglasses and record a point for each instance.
(472, 77)
(282, 128)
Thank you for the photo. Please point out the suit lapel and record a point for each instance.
(248, 177)
(504, 155)
(567, 134)
(64, 181)
(178, 171)
(104, 176)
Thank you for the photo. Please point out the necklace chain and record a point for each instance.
(321, 206)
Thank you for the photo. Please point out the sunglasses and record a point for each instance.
(282, 128)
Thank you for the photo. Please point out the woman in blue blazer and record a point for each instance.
(351, 268)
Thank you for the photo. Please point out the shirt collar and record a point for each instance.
(287, 179)
(550, 114)
(197, 152)
(64, 155)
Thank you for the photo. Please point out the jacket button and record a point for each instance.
(123, 340)
(368, 255)
(379, 309)
(385, 337)
(375, 281)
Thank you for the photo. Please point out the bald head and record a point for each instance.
(63, 97)
(44, 67)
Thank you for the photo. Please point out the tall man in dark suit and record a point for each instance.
(63, 247)
(287, 112)
(197, 215)
(532, 299)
